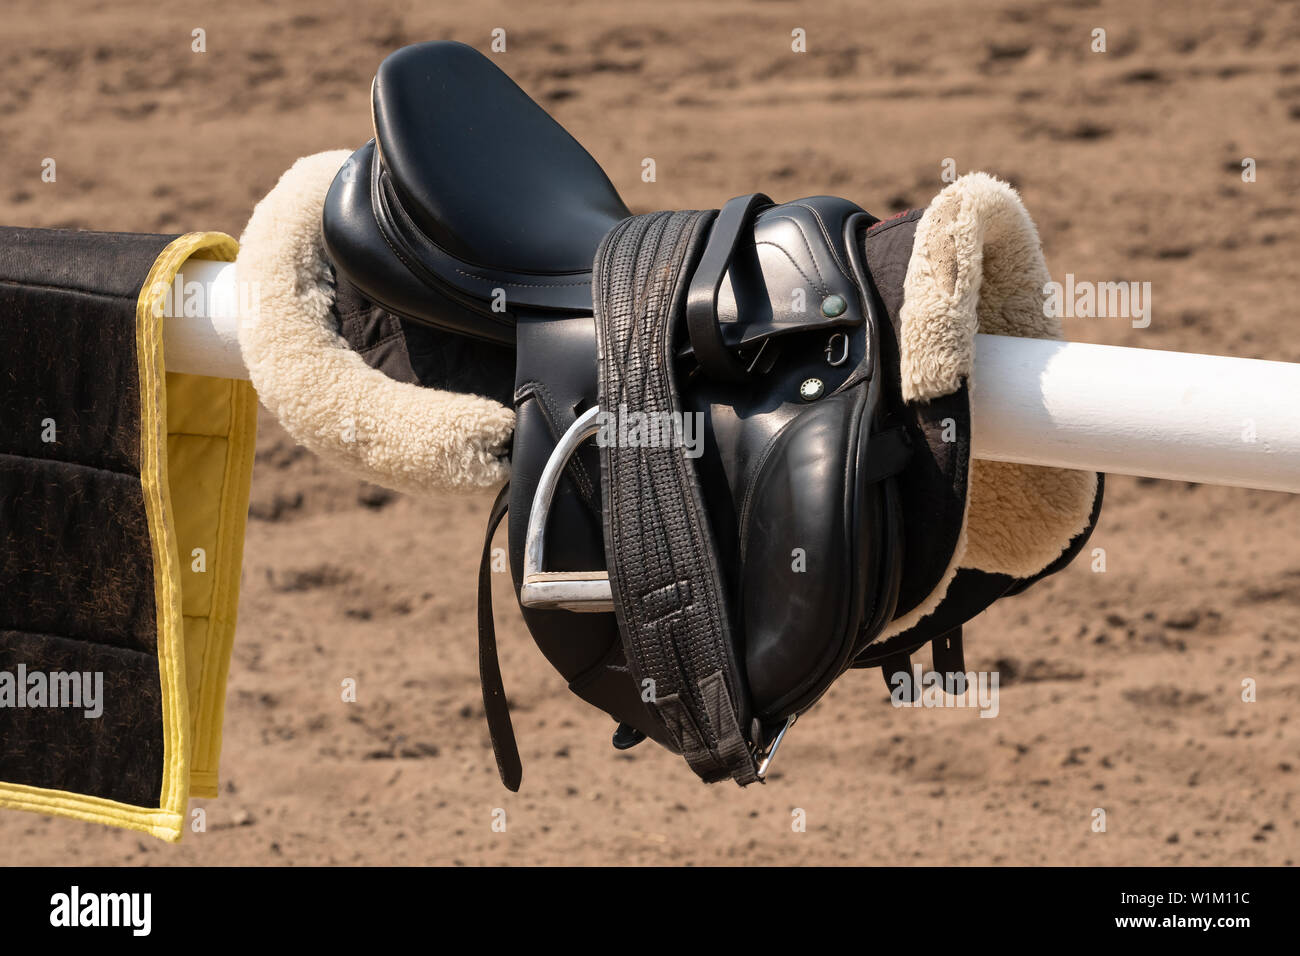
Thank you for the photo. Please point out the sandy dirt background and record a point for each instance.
(1121, 690)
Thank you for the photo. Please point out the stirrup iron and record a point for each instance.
(582, 591)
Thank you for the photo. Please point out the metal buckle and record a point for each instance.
(844, 351)
(582, 591)
(766, 756)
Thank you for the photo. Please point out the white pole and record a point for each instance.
(205, 341)
(1179, 415)
(1188, 417)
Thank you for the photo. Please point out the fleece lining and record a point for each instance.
(977, 266)
(420, 441)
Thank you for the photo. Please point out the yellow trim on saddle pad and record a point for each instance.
(197, 438)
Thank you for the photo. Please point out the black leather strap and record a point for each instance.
(895, 668)
(734, 223)
(665, 570)
(500, 729)
(947, 651)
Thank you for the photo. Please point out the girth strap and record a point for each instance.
(664, 568)
(500, 729)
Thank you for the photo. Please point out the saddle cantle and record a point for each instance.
(761, 509)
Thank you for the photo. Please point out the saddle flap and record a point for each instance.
(801, 589)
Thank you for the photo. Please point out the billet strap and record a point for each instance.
(948, 655)
(664, 567)
(734, 223)
(495, 707)
(900, 664)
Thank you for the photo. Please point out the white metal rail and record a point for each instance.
(1203, 418)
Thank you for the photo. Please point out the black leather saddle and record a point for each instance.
(758, 504)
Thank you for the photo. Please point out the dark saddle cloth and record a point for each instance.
(759, 503)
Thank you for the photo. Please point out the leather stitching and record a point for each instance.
(819, 285)
(830, 242)
(522, 285)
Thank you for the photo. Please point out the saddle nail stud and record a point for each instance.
(834, 305)
(811, 389)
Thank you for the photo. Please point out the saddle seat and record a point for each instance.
(403, 223)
